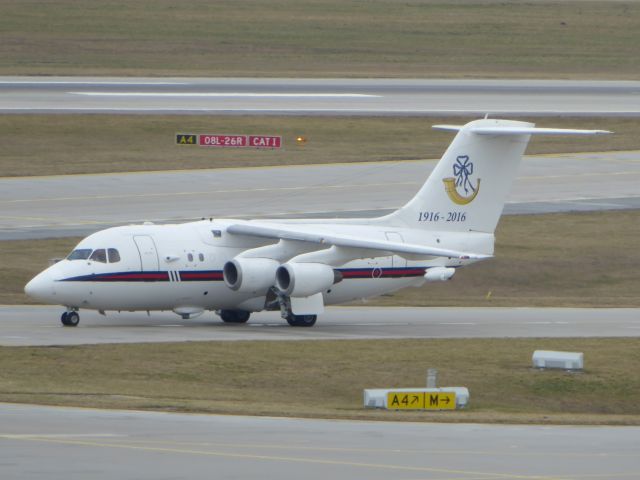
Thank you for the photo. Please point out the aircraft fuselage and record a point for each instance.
(173, 267)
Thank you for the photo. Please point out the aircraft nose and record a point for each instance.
(40, 287)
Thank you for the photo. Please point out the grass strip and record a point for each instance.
(326, 38)
(557, 260)
(73, 144)
(326, 378)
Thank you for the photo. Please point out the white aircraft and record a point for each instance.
(236, 267)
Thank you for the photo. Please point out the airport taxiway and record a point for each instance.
(317, 96)
(47, 442)
(35, 207)
(40, 325)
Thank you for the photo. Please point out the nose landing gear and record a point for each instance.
(70, 319)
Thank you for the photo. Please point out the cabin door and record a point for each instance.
(148, 253)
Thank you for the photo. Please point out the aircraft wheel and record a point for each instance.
(70, 319)
(301, 320)
(234, 316)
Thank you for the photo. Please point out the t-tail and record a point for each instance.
(468, 188)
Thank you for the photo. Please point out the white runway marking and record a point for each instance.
(34, 436)
(225, 95)
(391, 324)
(83, 82)
(457, 323)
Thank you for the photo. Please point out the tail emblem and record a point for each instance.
(462, 170)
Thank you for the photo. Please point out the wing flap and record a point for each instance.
(321, 238)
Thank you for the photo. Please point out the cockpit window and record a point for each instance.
(80, 254)
(99, 255)
(114, 255)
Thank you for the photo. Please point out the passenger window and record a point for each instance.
(114, 255)
(201, 257)
(99, 256)
(190, 257)
(80, 254)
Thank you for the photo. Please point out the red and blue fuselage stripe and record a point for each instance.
(216, 275)
(186, 276)
(382, 272)
(201, 276)
(121, 277)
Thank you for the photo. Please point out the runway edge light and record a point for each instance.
(558, 360)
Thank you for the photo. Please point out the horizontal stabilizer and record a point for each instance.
(508, 130)
(534, 131)
(448, 128)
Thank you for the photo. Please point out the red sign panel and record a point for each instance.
(223, 141)
(263, 141)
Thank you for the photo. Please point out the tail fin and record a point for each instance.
(468, 188)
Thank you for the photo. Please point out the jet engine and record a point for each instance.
(250, 274)
(305, 279)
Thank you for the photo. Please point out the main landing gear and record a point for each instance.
(301, 320)
(70, 319)
(234, 316)
(278, 300)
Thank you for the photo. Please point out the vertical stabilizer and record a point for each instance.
(468, 187)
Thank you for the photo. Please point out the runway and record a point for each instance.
(317, 96)
(37, 207)
(48, 442)
(40, 325)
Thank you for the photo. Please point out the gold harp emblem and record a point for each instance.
(462, 170)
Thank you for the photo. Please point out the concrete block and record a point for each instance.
(560, 360)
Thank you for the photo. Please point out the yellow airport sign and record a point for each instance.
(186, 139)
(402, 400)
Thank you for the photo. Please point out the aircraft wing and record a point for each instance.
(329, 239)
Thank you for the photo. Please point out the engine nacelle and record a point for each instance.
(439, 274)
(305, 279)
(250, 274)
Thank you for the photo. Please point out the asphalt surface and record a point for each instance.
(46, 442)
(36, 207)
(54, 443)
(40, 325)
(318, 96)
